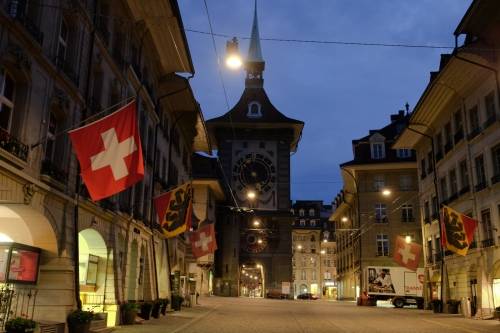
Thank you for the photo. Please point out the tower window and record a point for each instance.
(254, 110)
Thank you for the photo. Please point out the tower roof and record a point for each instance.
(255, 51)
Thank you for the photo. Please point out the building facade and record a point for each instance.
(254, 141)
(457, 140)
(313, 248)
(63, 66)
(378, 202)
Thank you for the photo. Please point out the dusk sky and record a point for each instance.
(339, 91)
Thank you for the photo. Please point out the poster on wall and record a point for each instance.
(23, 264)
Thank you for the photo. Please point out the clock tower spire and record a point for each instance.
(255, 64)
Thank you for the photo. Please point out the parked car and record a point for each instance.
(307, 296)
(276, 295)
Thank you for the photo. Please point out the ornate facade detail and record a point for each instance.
(29, 190)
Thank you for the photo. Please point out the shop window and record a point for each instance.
(92, 266)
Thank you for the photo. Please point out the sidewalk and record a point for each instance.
(171, 323)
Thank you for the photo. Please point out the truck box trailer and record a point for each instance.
(398, 284)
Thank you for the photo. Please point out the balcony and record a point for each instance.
(14, 10)
(488, 242)
(67, 69)
(474, 133)
(439, 156)
(490, 121)
(52, 169)
(13, 145)
(464, 190)
(459, 135)
(495, 179)
(448, 146)
(481, 186)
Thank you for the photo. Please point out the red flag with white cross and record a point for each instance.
(203, 240)
(407, 254)
(110, 154)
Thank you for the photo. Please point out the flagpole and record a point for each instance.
(151, 215)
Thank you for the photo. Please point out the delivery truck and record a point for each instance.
(399, 285)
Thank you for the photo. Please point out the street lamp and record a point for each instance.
(251, 195)
(233, 58)
(256, 223)
(344, 219)
(325, 240)
(299, 247)
(408, 239)
(323, 251)
(259, 241)
(386, 192)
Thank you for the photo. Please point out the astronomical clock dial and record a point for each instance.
(254, 242)
(254, 171)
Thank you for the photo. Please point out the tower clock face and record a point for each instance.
(254, 169)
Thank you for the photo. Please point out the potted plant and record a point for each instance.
(79, 321)
(155, 312)
(453, 306)
(146, 308)
(129, 312)
(177, 302)
(437, 305)
(20, 325)
(164, 304)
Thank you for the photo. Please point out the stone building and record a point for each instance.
(254, 141)
(455, 132)
(62, 66)
(313, 248)
(378, 202)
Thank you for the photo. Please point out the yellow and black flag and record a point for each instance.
(457, 231)
(174, 210)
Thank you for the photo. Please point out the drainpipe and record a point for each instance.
(435, 180)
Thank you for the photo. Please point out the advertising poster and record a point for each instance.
(380, 280)
(23, 266)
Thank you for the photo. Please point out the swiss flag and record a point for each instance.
(407, 254)
(203, 240)
(110, 154)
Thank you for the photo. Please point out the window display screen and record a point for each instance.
(23, 265)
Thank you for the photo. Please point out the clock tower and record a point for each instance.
(254, 141)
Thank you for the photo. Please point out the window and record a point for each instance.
(489, 103)
(314, 275)
(92, 265)
(480, 173)
(495, 158)
(488, 239)
(302, 222)
(62, 44)
(407, 213)
(439, 146)
(51, 137)
(313, 223)
(311, 212)
(474, 119)
(313, 239)
(464, 175)
(380, 212)
(427, 212)
(382, 245)
(422, 169)
(378, 182)
(435, 208)
(7, 95)
(378, 151)
(448, 141)
(444, 188)
(403, 153)
(303, 275)
(459, 126)
(405, 183)
(301, 212)
(430, 163)
(254, 110)
(453, 182)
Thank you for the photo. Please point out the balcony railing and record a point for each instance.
(14, 9)
(474, 133)
(67, 69)
(448, 146)
(481, 186)
(495, 179)
(464, 190)
(491, 120)
(488, 242)
(51, 169)
(459, 135)
(13, 145)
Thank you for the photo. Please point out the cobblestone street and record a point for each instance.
(228, 315)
